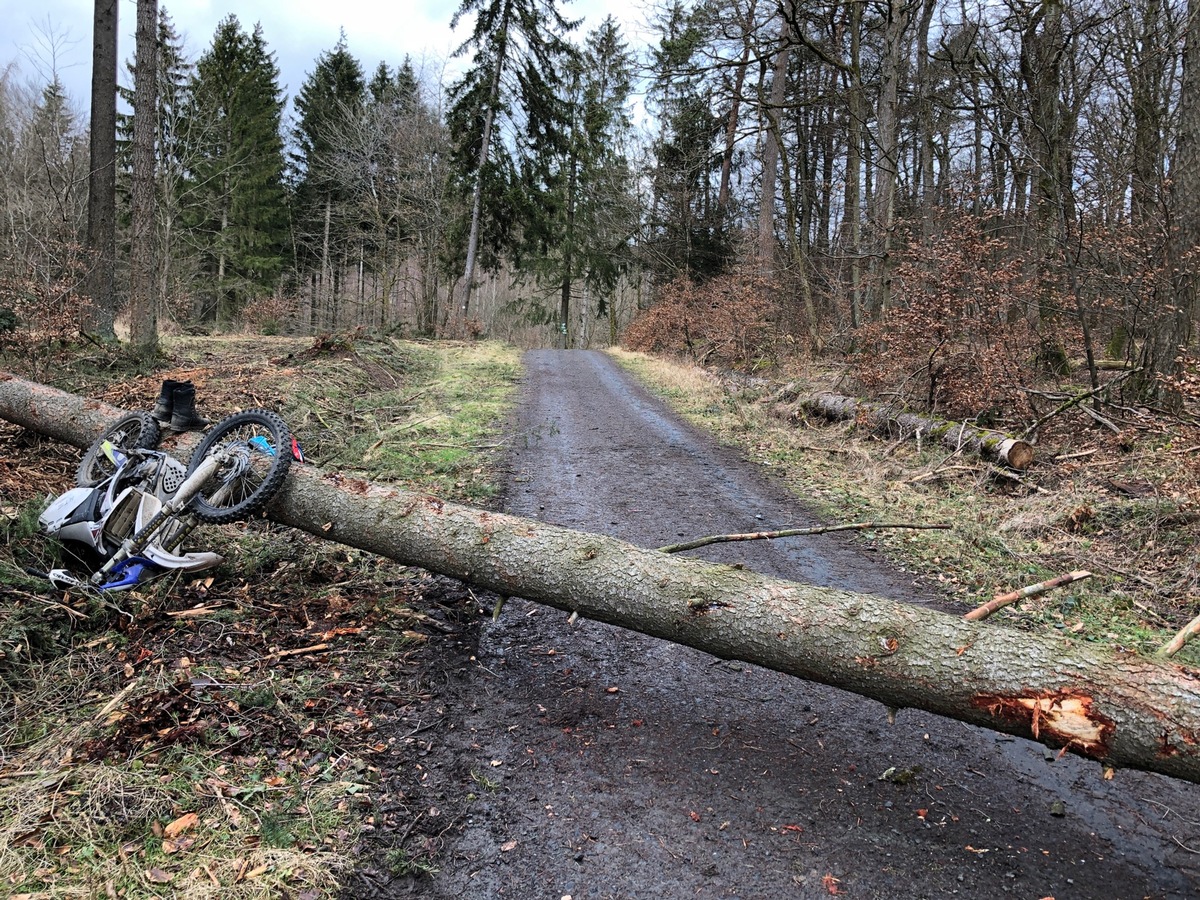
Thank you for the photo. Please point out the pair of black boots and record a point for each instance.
(176, 407)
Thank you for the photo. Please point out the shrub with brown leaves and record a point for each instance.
(732, 322)
(271, 314)
(42, 303)
(958, 337)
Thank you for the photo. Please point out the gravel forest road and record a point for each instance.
(612, 765)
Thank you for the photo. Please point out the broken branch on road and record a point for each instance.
(790, 532)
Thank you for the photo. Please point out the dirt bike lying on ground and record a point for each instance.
(136, 505)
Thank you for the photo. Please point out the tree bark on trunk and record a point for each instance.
(489, 122)
(1174, 322)
(857, 112)
(102, 177)
(1015, 453)
(1121, 709)
(771, 111)
(887, 138)
(143, 298)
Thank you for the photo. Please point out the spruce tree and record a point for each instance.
(238, 216)
(590, 241)
(328, 105)
(688, 230)
(507, 118)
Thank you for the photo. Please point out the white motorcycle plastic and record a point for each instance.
(135, 505)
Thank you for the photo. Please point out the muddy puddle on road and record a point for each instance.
(607, 764)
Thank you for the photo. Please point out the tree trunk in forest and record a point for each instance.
(773, 160)
(489, 122)
(327, 301)
(1118, 708)
(566, 338)
(1015, 453)
(771, 111)
(857, 111)
(924, 149)
(143, 297)
(102, 177)
(1149, 103)
(1185, 175)
(1044, 47)
(731, 122)
(887, 123)
(1180, 304)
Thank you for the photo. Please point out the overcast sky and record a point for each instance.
(48, 35)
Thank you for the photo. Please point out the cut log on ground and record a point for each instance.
(993, 445)
(1118, 708)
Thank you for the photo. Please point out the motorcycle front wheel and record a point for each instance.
(255, 452)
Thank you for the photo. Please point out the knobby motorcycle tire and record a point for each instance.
(243, 505)
(135, 431)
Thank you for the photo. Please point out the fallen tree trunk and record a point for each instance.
(1121, 709)
(989, 444)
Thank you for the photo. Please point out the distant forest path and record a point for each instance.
(612, 765)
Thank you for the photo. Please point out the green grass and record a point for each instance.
(423, 415)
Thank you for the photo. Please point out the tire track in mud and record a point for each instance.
(607, 764)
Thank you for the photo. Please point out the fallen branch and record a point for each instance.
(1119, 708)
(1002, 600)
(940, 471)
(1190, 630)
(298, 651)
(1011, 476)
(788, 532)
(1077, 399)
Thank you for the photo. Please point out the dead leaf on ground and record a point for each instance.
(184, 823)
(508, 845)
(831, 884)
(158, 876)
(180, 845)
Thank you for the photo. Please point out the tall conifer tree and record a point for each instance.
(507, 117)
(589, 241)
(240, 217)
(328, 104)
